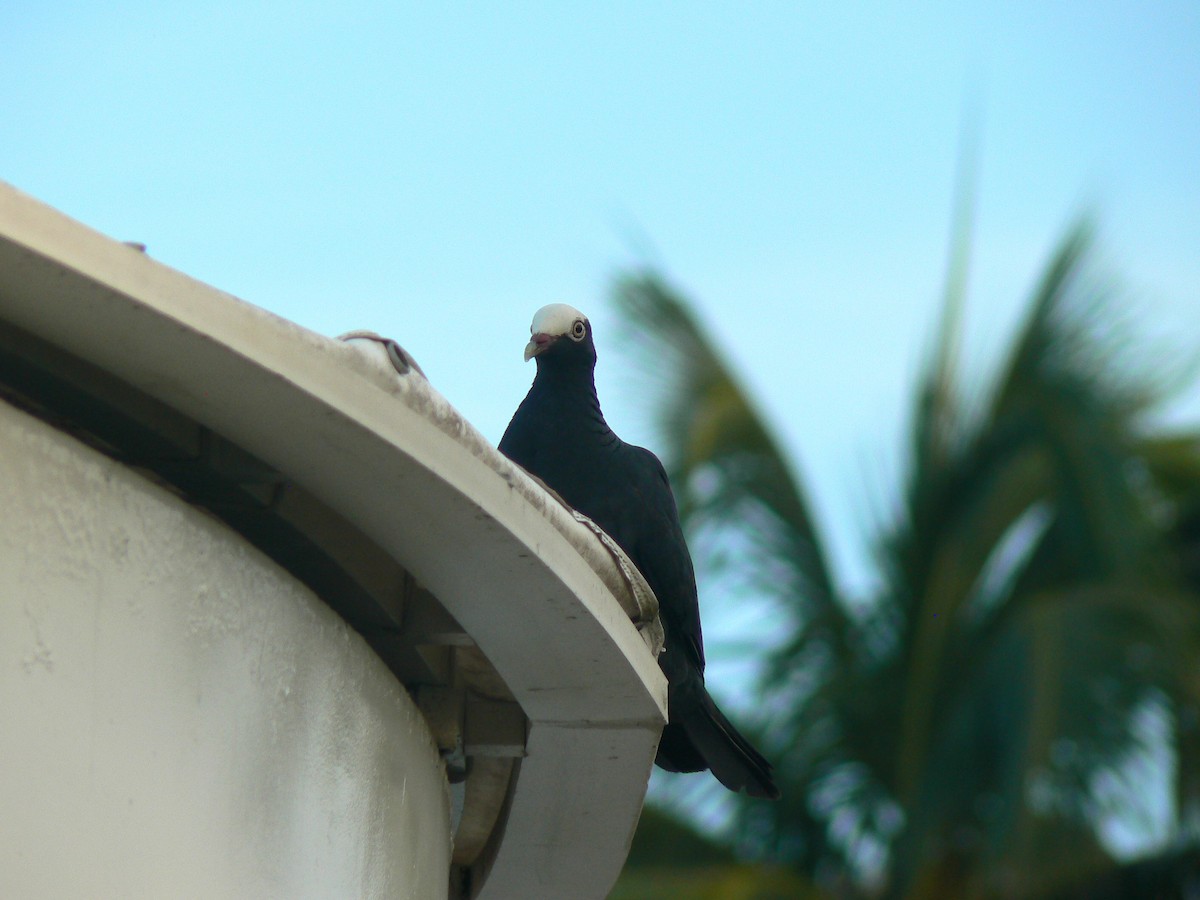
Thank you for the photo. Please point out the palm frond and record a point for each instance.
(744, 509)
(1059, 437)
(725, 464)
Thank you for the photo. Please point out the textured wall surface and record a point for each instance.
(181, 718)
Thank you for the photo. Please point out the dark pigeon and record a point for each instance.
(559, 434)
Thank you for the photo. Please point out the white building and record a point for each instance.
(275, 621)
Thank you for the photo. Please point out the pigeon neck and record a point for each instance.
(573, 388)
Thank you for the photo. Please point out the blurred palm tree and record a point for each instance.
(1033, 648)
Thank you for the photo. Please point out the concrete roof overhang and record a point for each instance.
(540, 595)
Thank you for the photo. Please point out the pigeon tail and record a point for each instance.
(677, 753)
(730, 757)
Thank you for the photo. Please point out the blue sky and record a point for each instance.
(437, 173)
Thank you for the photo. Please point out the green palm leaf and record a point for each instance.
(721, 456)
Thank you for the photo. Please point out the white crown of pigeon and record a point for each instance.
(556, 319)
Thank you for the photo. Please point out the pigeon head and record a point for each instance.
(561, 334)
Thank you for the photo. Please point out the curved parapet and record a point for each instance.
(525, 640)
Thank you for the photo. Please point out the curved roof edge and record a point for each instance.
(545, 600)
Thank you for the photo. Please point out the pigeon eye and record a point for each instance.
(578, 330)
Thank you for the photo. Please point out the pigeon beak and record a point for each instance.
(538, 343)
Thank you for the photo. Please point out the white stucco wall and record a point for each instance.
(181, 718)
